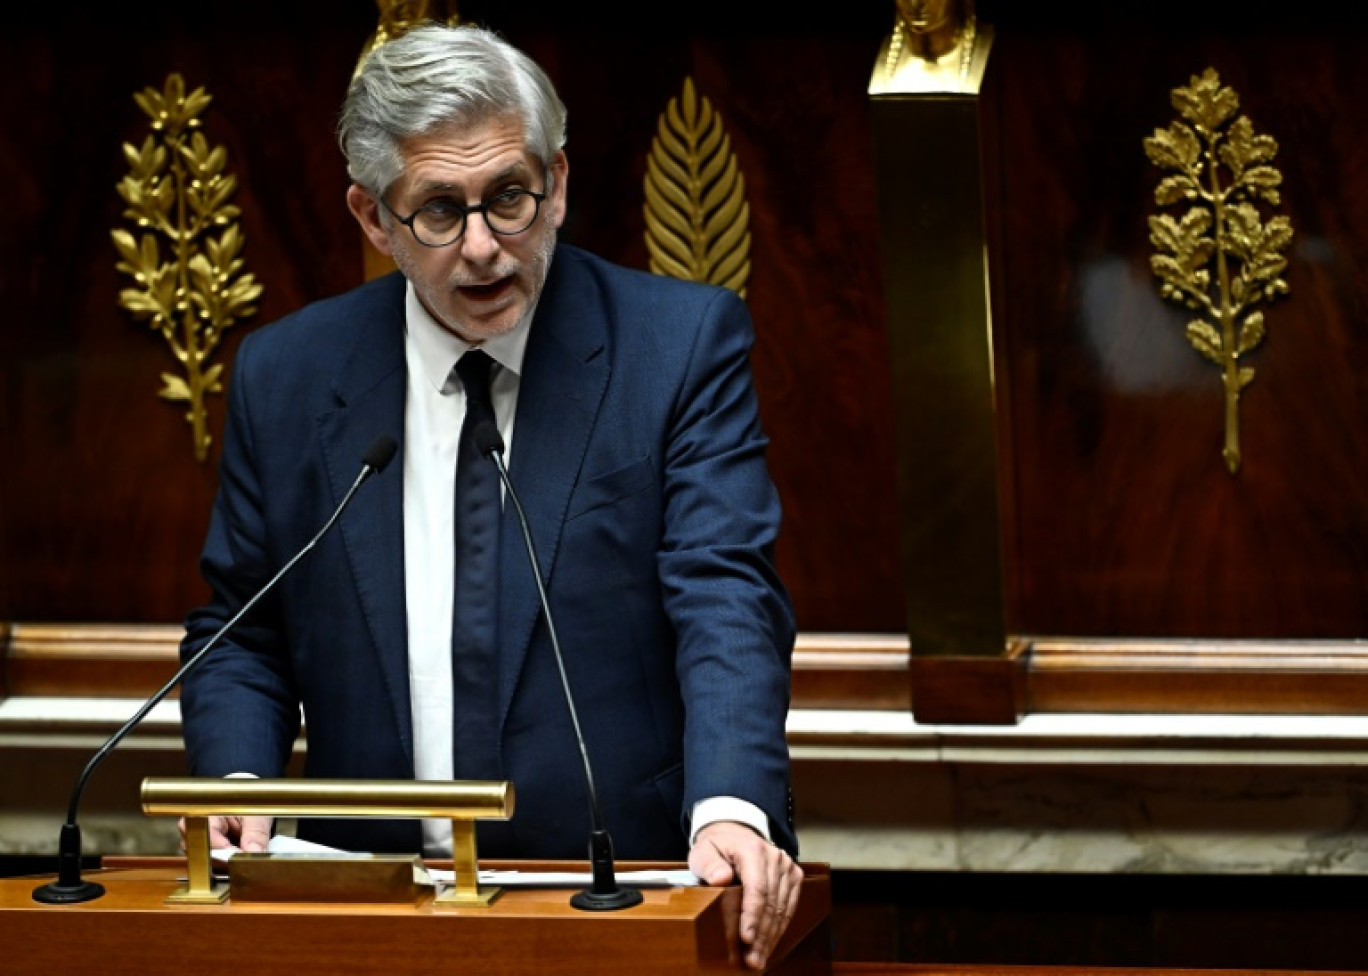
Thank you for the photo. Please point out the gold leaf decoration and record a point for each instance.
(697, 217)
(1218, 257)
(177, 193)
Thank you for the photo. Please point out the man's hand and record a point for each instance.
(245, 833)
(770, 882)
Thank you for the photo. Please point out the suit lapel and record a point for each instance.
(564, 377)
(370, 389)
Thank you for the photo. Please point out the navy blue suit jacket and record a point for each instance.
(639, 459)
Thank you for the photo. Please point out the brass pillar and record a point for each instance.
(925, 118)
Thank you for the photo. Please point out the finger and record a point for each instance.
(767, 910)
(710, 864)
(790, 890)
(794, 880)
(256, 833)
(757, 885)
(783, 884)
(718, 872)
(223, 831)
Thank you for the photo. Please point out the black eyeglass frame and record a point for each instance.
(481, 208)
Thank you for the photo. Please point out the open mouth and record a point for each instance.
(484, 293)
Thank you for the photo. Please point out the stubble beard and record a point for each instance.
(436, 299)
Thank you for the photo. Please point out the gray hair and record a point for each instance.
(437, 75)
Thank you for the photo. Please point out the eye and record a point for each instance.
(441, 212)
(443, 208)
(507, 202)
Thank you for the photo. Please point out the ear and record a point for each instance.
(367, 213)
(560, 177)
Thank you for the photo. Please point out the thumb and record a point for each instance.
(256, 833)
(708, 863)
(719, 873)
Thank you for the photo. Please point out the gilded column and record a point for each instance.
(924, 92)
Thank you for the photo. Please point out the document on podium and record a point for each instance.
(286, 846)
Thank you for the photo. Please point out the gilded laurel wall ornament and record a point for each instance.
(697, 217)
(178, 194)
(1218, 257)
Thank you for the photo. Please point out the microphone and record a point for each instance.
(69, 887)
(604, 894)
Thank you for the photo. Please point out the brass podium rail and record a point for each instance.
(197, 799)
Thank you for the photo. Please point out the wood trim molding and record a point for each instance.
(849, 671)
(80, 660)
(106, 660)
(1199, 676)
(867, 671)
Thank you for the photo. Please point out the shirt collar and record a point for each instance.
(439, 348)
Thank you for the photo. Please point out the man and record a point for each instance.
(633, 440)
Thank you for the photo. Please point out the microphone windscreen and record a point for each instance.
(380, 453)
(487, 438)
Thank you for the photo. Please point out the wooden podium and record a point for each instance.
(526, 932)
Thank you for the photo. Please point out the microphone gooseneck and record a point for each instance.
(69, 887)
(604, 893)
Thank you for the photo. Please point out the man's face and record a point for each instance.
(481, 285)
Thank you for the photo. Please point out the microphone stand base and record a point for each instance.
(68, 894)
(612, 901)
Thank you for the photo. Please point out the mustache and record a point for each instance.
(499, 272)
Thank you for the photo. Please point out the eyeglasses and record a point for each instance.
(442, 222)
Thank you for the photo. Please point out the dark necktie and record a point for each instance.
(474, 626)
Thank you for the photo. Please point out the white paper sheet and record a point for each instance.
(287, 846)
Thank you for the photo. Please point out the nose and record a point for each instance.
(478, 244)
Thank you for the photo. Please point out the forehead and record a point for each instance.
(465, 155)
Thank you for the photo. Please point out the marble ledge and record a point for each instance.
(856, 735)
(1125, 794)
(874, 790)
(1105, 739)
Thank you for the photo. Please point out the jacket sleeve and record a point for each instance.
(731, 612)
(239, 708)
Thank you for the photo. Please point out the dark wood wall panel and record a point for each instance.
(103, 506)
(1127, 521)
